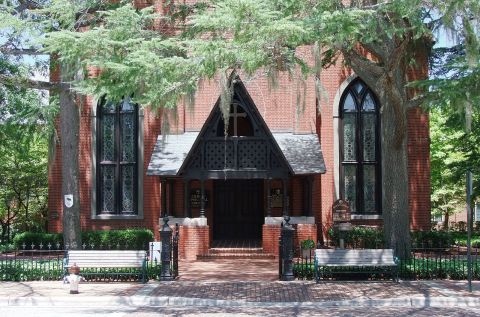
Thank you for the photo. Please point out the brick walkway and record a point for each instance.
(229, 270)
(306, 291)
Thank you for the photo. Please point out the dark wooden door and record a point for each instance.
(238, 209)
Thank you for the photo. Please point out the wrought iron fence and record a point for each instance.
(423, 263)
(46, 262)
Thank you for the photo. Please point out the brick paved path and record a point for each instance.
(305, 291)
(229, 270)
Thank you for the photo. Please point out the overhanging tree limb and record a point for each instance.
(30, 83)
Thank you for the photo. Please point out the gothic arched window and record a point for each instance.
(360, 149)
(117, 155)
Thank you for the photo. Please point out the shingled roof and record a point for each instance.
(302, 152)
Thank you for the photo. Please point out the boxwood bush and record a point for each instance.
(360, 237)
(136, 239)
(28, 239)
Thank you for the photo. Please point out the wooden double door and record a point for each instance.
(238, 209)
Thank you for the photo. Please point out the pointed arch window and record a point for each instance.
(117, 155)
(360, 149)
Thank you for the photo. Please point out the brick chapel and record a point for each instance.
(279, 157)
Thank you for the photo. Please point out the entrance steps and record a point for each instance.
(235, 253)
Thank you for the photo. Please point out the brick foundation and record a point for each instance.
(193, 241)
(270, 237)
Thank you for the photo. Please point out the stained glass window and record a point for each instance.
(117, 162)
(360, 166)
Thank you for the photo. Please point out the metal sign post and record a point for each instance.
(469, 230)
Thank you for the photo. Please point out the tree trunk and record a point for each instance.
(69, 135)
(446, 216)
(395, 172)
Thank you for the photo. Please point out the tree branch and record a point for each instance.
(363, 62)
(415, 102)
(21, 51)
(30, 83)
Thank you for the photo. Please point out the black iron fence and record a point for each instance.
(423, 263)
(46, 262)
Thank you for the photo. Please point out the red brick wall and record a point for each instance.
(419, 169)
(193, 241)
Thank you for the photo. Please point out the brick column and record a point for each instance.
(270, 237)
(193, 241)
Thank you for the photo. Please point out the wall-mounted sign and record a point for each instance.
(68, 200)
(276, 198)
(341, 211)
(196, 198)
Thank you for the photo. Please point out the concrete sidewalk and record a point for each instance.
(244, 294)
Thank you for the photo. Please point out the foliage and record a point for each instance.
(24, 152)
(443, 239)
(359, 237)
(128, 238)
(307, 244)
(111, 239)
(431, 239)
(36, 238)
(457, 80)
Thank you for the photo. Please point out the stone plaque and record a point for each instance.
(196, 198)
(276, 196)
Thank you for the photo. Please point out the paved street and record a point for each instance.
(122, 311)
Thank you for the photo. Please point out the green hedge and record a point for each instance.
(360, 237)
(442, 239)
(111, 239)
(123, 239)
(28, 238)
(431, 239)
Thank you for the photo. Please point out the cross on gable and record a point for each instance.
(235, 115)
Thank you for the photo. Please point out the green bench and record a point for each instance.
(329, 261)
(108, 259)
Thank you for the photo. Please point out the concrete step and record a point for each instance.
(213, 256)
(235, 250)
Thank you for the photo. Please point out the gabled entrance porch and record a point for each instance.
(227, 176)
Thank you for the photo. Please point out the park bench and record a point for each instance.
(106, 261)
(329, 261)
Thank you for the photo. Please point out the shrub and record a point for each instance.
(28, 239)
(431, 239)
(307, 244)
(360, 237)
(112, 239)
(123, 239)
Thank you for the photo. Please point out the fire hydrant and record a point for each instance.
(74, 278)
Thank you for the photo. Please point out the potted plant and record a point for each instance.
(307, 246)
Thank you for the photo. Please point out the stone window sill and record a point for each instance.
(116, 217)
(366, 217)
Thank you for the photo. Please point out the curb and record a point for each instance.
(162, 301)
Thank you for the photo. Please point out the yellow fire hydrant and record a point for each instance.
(74, 278)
